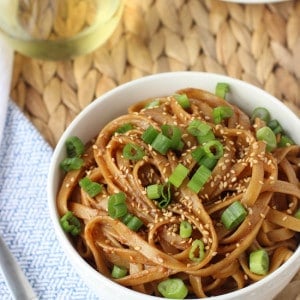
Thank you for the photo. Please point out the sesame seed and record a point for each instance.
(160, 260)
(233, 179)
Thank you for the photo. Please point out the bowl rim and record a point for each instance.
(51, 195)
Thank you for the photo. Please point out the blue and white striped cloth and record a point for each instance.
(25, 223)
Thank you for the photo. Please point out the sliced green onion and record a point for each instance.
(199, 178)
(178, 175)
(117, 198)
(198, 153)
(126, 218)
(74, 146)
(197, 251)
(285, 141)
(154, 191)
(124, 128)
(71, 163)
(70, 223)
(133, 152)
(161, 143)
(206, 138)
(261, 113)
(118, 272)
(160, 193)
(267, 135)
(222, 89)
(185, 229)
(163, 203)
(233, 215)
(209, 153)
(149, 134)
(173, 133)
(220, 113)
(259, 262)
(117, 211)
(165, 196)
(173, 288)
(116, 205)
(297, 214)
(201, 130)
(202, 139)
(74, 149)
(214, 149)
(134, 223)
(180, 146)
(197, 127)
(275, 126)
(152, 104)
(90, 187)
(208, 162)
(183, 100)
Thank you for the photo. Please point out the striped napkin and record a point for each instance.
(24, 219)
(25, 223)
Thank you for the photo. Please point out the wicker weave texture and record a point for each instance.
(258, 43)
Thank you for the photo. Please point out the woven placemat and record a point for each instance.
(257, 43)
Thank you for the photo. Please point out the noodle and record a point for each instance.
(265, 183)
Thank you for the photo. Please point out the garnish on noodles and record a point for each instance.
(184, 196)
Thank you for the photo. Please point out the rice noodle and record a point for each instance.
(266, 183)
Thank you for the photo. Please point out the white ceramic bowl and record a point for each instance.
(114, 103)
